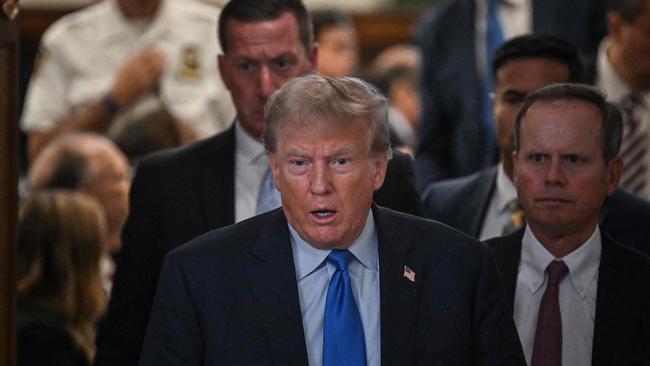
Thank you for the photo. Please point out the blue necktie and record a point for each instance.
(268, 197)
(343, 339)
(493, 39)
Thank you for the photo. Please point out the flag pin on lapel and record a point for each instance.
(409, 274)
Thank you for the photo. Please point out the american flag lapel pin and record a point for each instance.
(409, 274)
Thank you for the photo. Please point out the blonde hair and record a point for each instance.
(60, 239)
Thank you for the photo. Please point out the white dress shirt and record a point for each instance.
(577, 296)
(610, 81)
(313, 274)
(250, 166)
(497, 215)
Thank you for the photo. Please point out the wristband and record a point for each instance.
(109, 104)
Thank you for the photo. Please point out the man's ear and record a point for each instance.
(275, 168)
(515, 162)
(312, 56)
(614, 22)
(614, 171)
(223, 70)
(381, 164)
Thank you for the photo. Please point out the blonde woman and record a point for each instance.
(60, 296)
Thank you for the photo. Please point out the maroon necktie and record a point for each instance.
(547, 350)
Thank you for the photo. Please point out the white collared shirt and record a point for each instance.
(610, 81)
(82, 52)
(313, 274)
(577, 296)
(497, 215)
(250, 165)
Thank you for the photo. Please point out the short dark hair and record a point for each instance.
(542, 46)
(261, 10)
(612, 120)
(629, 10)
(326, 18)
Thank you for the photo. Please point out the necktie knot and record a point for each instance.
(340, 259)
(556, 271)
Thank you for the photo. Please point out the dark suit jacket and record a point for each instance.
(462, 204)
(622, 324)
(230, 297)
(453, 141)
(177, 195)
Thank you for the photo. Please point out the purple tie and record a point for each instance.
(547, 350)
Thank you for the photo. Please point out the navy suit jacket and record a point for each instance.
(462, 204)
(622, 323)
(230, 297)
(176, 196)
(454, 139)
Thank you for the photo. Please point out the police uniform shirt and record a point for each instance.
(81, 53)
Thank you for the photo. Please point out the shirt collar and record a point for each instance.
(505, 191)
(308, 259)
(247, 147)
(583, 262)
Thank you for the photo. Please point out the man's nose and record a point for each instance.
(320, 179)
(555, 174)
(267, 84)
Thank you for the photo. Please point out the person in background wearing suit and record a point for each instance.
(490, 207)
(330, 278)
(580, 298)
(457, 39)
(622, 69)
(179, 194)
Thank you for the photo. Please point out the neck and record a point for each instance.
(560, 243)
(138, 9)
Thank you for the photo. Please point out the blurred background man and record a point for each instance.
(623, 71)
(97, 63)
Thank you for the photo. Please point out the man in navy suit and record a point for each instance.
(182, 193)
(266, 291)
(455, 132)
(521, 66)
(579, 297)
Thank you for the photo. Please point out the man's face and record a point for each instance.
(560, 173)
(630, 46)
(261, 57)
(108, 181)
(326, 176)
(338, 49)
(514, 81)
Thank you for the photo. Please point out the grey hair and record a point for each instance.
(314, 97)
(611, 118)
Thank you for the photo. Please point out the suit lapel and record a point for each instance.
(272, 277)
(216, 185)
(481, 195)
(398, 294)
(507, 253)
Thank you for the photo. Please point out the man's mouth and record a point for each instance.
(324, 215)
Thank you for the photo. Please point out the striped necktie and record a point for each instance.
(634, 147)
